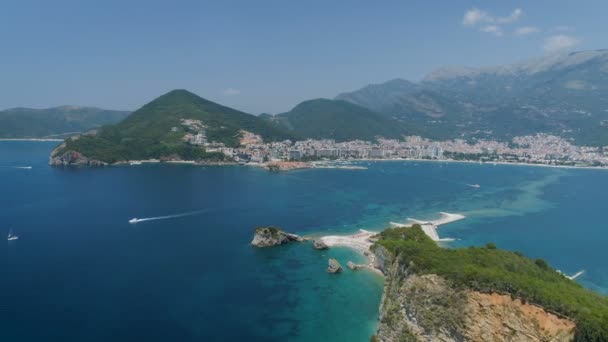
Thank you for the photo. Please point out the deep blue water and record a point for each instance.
(81, 272)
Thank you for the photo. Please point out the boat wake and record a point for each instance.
(166, 217)
(17, 167)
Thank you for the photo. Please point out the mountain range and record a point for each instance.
(54, 122)
(563, 94)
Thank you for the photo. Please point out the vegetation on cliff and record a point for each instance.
(487, 269)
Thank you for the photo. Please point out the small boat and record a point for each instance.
(11, 236)
(474, 185)
(134, 220)
(135, 163)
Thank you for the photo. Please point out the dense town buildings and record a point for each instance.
(536, 149)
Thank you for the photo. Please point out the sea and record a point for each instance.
(81, 272)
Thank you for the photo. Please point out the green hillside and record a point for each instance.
(339, 120)
(156, 130)
(488, 269)
(40, 123)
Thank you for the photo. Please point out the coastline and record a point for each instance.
(30, 139)
(430, 227)
(338, 167)
(477, 162)
(360, 242)
(364, 239)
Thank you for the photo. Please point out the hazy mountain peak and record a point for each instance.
(532, 66)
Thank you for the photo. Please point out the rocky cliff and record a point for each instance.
(430, 308)
(272, 236)
(61, 157)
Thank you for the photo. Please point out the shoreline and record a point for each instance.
(360, 242)
(430, 227)
(322, 167)
(477, 162)
(31, 139)
(364, 239)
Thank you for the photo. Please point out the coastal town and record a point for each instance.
(543, 149)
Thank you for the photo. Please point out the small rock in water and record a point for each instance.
(351, 265)
(272, 236)
(318, 244)
(334, 266)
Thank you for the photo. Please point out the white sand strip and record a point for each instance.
(430, 227)
(359, 241)
(576, 275)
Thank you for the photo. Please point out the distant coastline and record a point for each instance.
(30, 139)
(327, 164)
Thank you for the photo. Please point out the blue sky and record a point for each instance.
(265, 56)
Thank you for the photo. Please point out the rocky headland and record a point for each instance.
(430, 308)
(478, 294)
(72, 158)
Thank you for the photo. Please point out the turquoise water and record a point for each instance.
(80, 271)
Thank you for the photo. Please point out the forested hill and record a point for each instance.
(42, 123)
(339, 120)
(157, 130)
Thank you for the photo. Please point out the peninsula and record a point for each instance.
(478, 294)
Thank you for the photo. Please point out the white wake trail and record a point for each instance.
(17, 167)
(166, 217)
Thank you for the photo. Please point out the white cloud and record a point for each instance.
(231, 92)
(511, 18)
(475, 16)
(525, 30)
(492, 29)
(560, 42)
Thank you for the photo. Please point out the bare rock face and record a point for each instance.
(427, 308)
(382, 259)
(74, 158)
(272, 236)
(497, 317)
(334, 266)
(320, 245)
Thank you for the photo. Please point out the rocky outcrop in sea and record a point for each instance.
(334, 266)
(273, 236)
(319, 245)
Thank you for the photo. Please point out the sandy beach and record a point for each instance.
(430, 227)
(364, 239)
(360, 241)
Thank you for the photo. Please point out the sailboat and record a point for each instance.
(11, 236)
